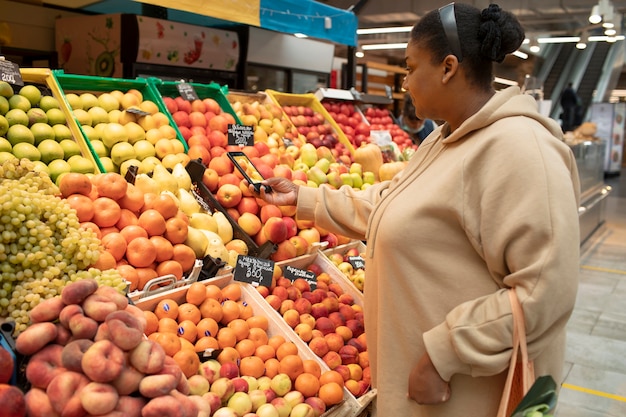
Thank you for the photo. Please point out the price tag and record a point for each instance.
(240, 135)
(138, 112)
(255, 271)
(357, 262)
(10, 73)
(381, 137)
(287, 142)
(187, 91)
(292, 274)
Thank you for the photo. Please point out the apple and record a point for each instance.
(240, 402)
(229, 370)
(281, 384)
(267, 410)
(258, 398)
(210, 370)
(241, 385)
(223, 387)
(294, 398)
(282, 406)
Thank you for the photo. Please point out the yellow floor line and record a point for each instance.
(600, 269)
(594, 392)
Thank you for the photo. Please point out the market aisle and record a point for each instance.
(595, 373)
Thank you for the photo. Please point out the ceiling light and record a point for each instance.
(610, 32)
(595, 17)
(582, 43)
(359, 54)
(534, 45)
(394, 29)
(376, 46)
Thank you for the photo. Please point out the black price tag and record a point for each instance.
(357, 262)
(137, 111)
(255, 271)
(187, 91)
(292, 274)
(240, 135)
(10, 73)
(287, 142)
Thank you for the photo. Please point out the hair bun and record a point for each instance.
(490, 33)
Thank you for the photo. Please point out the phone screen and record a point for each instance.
(247, 169)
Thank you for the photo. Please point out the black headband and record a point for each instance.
(448, 21)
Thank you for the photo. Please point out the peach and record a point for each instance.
(268, 211)
(302, 305)
(125, 329)
(317, 404)
(331, 303)
(223, 387)
(67, 312)
(213, 400)
(228, 195)
(292, 292)
(319, 346)
(148, 357)
(47, 310)
(356, 326)
(38, 403)
(44, 365)
(118, 298)
(98, 398)
(102, 333)
(319, 310)
(139, 314)
(77, 291)
(72, 354)
(210, 370)
(275, 230)
(83, 327)
(187, 406)
(7, 365)
(130, 406)
(128, 381)
(63, 335)
(152, 386)
(170, 367)
(343, 370)
(98, 307)
(292, 318)
(12, 398)
(63, 390)
(334, 340)
(332, 359)
(103, 361)
(35, 337)
(163, 406)
(349, 354)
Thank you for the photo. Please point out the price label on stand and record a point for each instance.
(357, 262)
(240, 135)
(10, 72)
(255, 271)
(138, 112)
(293, 273)
(187, 91)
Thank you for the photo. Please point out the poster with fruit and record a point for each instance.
(90, 45)
(171, 43)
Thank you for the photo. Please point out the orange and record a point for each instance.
(148, 198)
(196, 293)
(169, 341)
(245, 347)
(152, 221)
(331, 393)
(186, 344)
(307, 384)
(286, 349)
(252, 366)
(152, 322)
(188, 311)
(226, 337)
(240, 327)
(187, 330)
(313, 367)
(140, 252)
(144, 275)
(258, 336)
(245, 310)
(170, 267)
(176, 230)
(75, 183)
(106, 230)
(331, 376)
(83, 206)
(291, 365)
(127, 218)
(165, 250)
(207, 327)
(228, 354)
(164, 204)
(272, 367)
(215, 292)
(166, 308)
(188, 361)
(132, 232)
(258, 321)
(206, 342)
(168, 325)
(129, 273)
(106, 212)
(112, 185)
(230, 311)
(232, 291)
(105, 261)
(133, 199)
(265, 352)
(115, 244)
(212, 308)
(276, 340)
(185, 256)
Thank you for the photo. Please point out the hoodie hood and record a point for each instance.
(509, 102)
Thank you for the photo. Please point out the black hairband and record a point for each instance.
(448, 21)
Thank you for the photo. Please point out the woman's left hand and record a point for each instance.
(425, 384)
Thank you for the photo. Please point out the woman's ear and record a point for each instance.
(450, 66)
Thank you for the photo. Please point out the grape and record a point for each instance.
(42, 246)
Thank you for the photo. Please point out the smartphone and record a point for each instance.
(248, 170)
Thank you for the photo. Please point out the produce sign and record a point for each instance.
(255, 271)
(10, 73)
(293, 274)
(357, 262)
(240, 135)
(187, 91)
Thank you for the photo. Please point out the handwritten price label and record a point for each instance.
(240, 135)
(357, 262)
(292, 274)
(187, 91)
(10, 73)
(255, 271)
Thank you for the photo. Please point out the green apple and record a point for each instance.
(74, 101)
(114, 116)
(356, 168)
(20, 133)
(99, 148)
(300, 166)
(32, 93)
(19, 102)
(334, 179)
(4, 125)
(113, 133)
(58, 167)
(5, 145)
(79, 163)
(4, 105)
(5, 89)
(42, 131)
(90, 133)
(98, 115)
(369, 177)
(357, 180)
(316, 175)
(82, 117)
(39, 166)
(61, 132)
(36, 115)
(122, 151)
(144, 149)
(88, 101)
(48, 102)
(135, 132)
(107, 164)
(70, 148)
(17, 117)
(55, 117)
(6, 156)
(323, 164)
(26, 150)
(346, 178)
(108, 102)
(50, 150)
(147, 164)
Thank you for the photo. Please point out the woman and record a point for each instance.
(488, 202)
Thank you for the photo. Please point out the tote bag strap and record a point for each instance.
(521, 372)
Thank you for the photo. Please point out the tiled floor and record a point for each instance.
(595, 375)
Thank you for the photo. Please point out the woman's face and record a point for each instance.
(422, 81)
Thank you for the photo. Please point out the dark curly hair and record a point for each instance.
(485, 36)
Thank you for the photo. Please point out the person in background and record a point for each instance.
(488, 202)
(417, 128)
(570, 104)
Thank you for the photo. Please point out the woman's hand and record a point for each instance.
(425, 384)
(284, 192)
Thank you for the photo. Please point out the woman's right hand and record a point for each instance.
(284, 192)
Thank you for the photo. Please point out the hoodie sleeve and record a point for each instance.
(521, 198)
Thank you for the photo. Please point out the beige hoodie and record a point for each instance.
(492, 205)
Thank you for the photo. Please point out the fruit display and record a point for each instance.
(43, 244)
(255, 365)
(350, 120)
(341, 257)
(328, 318)
(123, 123)
(33, 126)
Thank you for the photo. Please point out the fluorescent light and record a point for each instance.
(595, 17)
(377, 46)
(505, 81)
(561, 39)
(300, 35)
(359, 54)
(373, 31)
(520, 54)
(606, 38)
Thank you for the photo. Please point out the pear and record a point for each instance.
(203, 221)
(188, 203)
(166, 181)
(216, 251)
(212, 237)
(197, 241)
(232, 257)
(147, 184)
(182, 176)
(224, 228)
